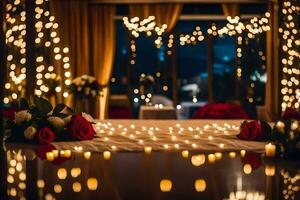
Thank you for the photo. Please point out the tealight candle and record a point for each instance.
(211, 158)
(106, 155)
(50, 156)
(270, 170)
(280, 126)
(67, 153)
(243, 153)
(218, 155)
(87, 155)
(232, 154)
(55, 153)
(92, 183)
(148, 150)
(294, 125)
(270, 150)
(200, 185)
(198, 160)
(185, 153)
(247, 169)
(165, 185)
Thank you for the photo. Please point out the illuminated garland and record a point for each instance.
(290, 44)
(47, 41)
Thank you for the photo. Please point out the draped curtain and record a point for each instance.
(231, 9)
(89, 32)
(103, 48)
(167, 13)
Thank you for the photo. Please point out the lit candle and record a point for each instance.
(198, 160)
(55, 152)
(211, 158)
(280, 126)
(200, 185)
(270, 150)
(165, 185)
(218, 155)
(243, 153)
(294, 125)
(232, 154)
(247, 169)
(92, 183)
(148, 150)
(87, 155)
(50, 156)
(106, 155)
(270, 170)
(67, 153)
(185, 153)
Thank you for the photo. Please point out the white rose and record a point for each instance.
(56, 122)
(82, 83)
(29, 133)
(79, 88)
(67, 119)
(88, 117)
(22, 116)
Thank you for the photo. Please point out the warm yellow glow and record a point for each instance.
(92, 183)
(165, 185)
(200, 185)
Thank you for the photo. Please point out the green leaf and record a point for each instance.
(42, 105)
(58, 109)
(23, 104)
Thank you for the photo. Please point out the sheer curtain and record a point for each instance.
(89, 32)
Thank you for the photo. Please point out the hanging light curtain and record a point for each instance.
(102, 46)
(164, 13)
(72, 17)
(89, 32)
(231, 9)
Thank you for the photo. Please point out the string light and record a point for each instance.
(290, 56)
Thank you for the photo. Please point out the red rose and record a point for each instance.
(290, 113)
(80, 128)
(45, 136)
(253, 159)
(252, 131)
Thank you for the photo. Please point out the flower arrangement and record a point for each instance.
(85, 87)
(285, 135)
(38, 122)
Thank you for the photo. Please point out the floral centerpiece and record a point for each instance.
(83, 88)
(146, 83)
(285, 135)
(38, 122)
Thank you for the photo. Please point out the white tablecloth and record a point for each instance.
(166, 135)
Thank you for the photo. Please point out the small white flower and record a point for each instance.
(22, 116)
(88, 117)
(67, 119)
(29, 133)
(56, 122)
(79, 88)
(91, 79)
